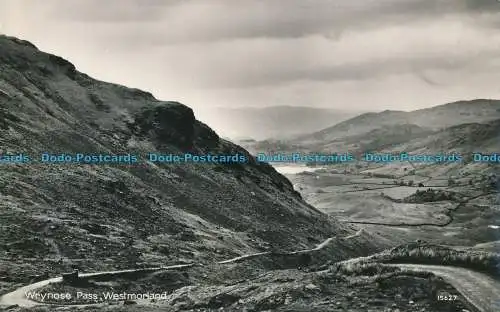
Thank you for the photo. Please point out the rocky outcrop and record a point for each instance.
(167, 123)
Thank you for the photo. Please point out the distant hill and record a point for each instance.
(383, 137)
(438, 117)
(465, 138)
(466, 125)
(277, 122)
(375, 139)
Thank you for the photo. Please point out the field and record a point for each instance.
(461, 213)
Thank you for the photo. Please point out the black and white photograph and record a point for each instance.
(250, 155)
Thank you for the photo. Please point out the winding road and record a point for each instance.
(18, 296)
(479, 289)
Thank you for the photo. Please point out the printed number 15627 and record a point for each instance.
(447, 297)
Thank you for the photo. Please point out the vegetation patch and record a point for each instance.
(486, 262)
(432, 195)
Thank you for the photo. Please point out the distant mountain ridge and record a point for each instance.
(449, 124)
(277, 122)
(438, 117)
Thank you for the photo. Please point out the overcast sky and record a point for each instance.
(349, 54)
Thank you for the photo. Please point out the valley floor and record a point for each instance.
(464, 214)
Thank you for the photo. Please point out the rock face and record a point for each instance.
(145, 213)
(168, 123)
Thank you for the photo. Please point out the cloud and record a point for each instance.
(167, 22)
(263, 52)
(109, 11)
(346, 72)
(216, 20)
(425, 78)
(446, 45)
(482, 5)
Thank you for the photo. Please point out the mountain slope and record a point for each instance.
(466, 137)
(436, 118)
(97, 216)
(383, 137)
